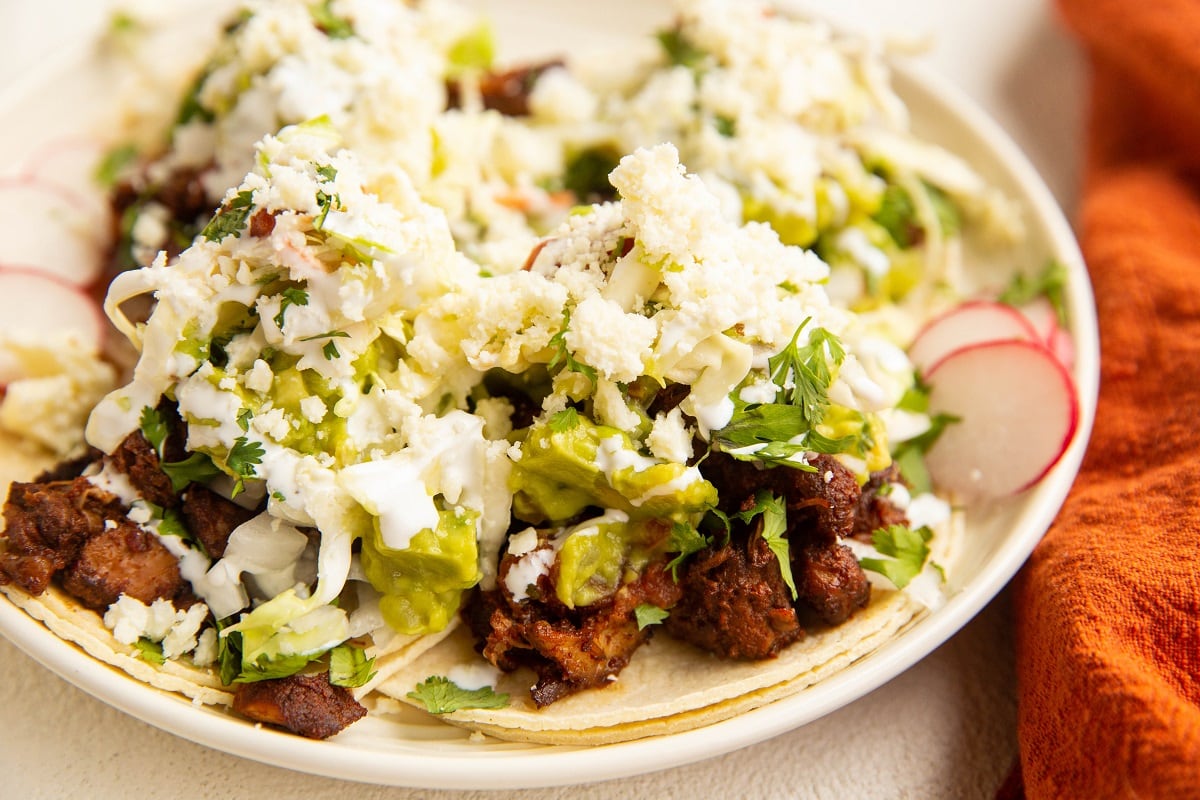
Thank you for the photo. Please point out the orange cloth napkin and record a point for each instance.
(1108, 609)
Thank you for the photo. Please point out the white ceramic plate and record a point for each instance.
(72, 100)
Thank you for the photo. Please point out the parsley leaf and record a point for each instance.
(773, 530)
(349, 666)
(647, 615)
(230, 220)
(564, 420)
(154, 428)
(908, 550)
(442, 696)
(197, 468)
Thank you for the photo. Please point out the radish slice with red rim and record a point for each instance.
(1017, 409)
(973, 322)
(46, 228)
(36, 306)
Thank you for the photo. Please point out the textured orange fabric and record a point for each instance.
(1108, 609)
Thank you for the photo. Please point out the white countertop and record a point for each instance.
(945, 728)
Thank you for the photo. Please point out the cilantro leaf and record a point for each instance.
(242, 458)
(680, 52)
(197, 468)
(154, 428)
(229, 654)
(685, 540)
(243, 419)
(803, 372)
(230, 220)
(264, 668)
(115, 164)
(349, 666)
(908, 550)
(564, 420)
(330, 24)
(909, 454)
(1050, 282)
(442, 696)
(330, 350)
(562, 358)
(326, 202)
(291, 296)
(773, 530)
(327, 172)
(648, 615)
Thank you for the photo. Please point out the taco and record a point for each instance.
(422, 405)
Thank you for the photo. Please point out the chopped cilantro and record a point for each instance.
(291, 296)
(330, 350)
(564, 420)
(726, 126)
(349, 666)
(1051, 282)
(278, 496)
(327, 172)
(243, 419)
(326, 202)
(680, 52)
(908, 550)
(154, 428)
(172, 524)
(229, 653)
(774, 531)
(330, 24)
(909, 454)
(441, 696)
(114, 164)
(648, 615)
(230, 219)
(149, 650)
(197, 468)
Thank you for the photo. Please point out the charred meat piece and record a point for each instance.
(137, 459)
(122, 560)
(830, 582)
(569, 649)
(182, 194)
(211, 518)
(305, 704)
(735, 603)
(47, 525)
(506, 92)
(875, 510)
(822, 504)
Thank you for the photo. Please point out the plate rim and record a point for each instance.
(548, 765)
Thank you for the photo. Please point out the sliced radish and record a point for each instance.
(33, 304)
(1042, 316)
(44, 227)
(71, 163)
(973, 322)
(1018, 410)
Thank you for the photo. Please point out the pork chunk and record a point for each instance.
(122, 560)
(305, 704)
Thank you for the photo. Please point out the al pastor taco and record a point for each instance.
(570, 409)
